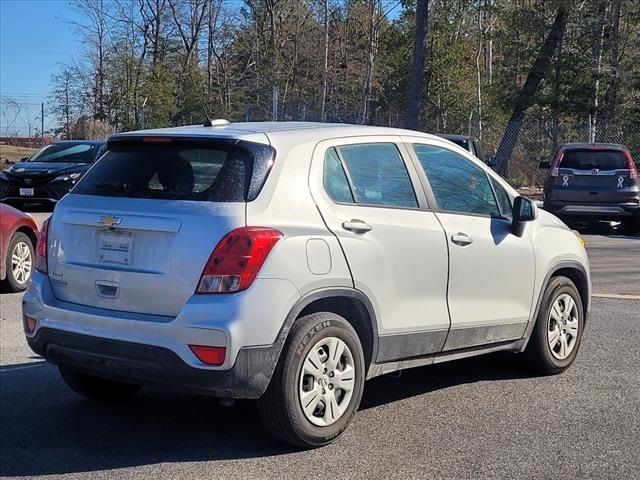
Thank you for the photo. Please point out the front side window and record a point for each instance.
(457, 184)
(378, 175)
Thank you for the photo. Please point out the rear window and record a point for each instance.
(223, 171)
(591, 159)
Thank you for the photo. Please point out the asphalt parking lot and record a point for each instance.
(480, 418)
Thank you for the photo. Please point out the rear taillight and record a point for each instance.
(555, 168)
(41, 248)
(633, 171)
(237, 259)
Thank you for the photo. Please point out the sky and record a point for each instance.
(36, 38)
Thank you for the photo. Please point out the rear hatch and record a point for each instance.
(137, 230)
(596, 175)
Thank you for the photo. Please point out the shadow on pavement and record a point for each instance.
(608, 229)
(45, 429)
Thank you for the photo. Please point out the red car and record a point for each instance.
(18, 236)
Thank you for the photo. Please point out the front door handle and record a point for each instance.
(461, 239)
(357, 226)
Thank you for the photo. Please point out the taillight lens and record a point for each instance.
(237, 259)
(41, 248)
(633, 171)
(555, 168)
(209, 355)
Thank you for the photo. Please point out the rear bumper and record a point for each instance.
(153, 349)
(605, 210)
(147, 364)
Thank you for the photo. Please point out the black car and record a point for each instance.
(48, 175)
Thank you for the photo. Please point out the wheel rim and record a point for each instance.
(21, 262)
(327, 380)
(563, 326)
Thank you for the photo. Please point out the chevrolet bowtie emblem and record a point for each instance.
(110, 221)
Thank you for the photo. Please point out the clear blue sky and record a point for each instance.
(35, 39)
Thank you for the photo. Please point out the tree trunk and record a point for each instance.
(614, 69)
(414, 100)
(525, 98)
(598, 47)
(325, 65)
(479, 73)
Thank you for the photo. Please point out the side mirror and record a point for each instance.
(24, 159)
(544, 165)
(491, 161)
(524, 210)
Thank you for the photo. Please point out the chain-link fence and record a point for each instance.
(31, 124)
(25, 123)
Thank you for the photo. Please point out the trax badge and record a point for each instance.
(110, 221)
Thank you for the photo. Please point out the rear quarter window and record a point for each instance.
(180, 170)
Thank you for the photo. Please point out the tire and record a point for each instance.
(633, 225)
(18, 274)
(281, 407)
(540, 356)
(98, 388)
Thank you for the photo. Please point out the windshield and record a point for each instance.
(184, 170)
(591, 159)
(66, 153)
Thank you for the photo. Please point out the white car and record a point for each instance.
(290, 262)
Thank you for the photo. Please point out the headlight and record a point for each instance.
(66, 177)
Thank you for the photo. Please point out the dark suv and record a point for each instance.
(593, 181)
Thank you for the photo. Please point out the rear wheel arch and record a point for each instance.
(350, 304)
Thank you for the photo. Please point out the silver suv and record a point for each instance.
(290, 262)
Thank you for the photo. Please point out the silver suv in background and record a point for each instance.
(593, 181)
(290, 262)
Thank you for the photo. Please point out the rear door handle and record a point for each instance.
(461, 239)
(357, 226)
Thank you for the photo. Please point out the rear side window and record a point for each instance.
(180, 170)
(457, 184)
(377, 174)
(592, 159)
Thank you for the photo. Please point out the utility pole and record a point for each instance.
(42, 123)
(274, 106)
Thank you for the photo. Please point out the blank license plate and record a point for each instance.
(114, 247)
(26, 192)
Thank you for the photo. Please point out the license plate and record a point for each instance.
(114, 247)
(26, 192)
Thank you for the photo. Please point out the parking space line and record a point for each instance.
(616, 295)
(23, 367)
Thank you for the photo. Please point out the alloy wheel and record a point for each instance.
(562, 326)
(21, 262)
(327, 380)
